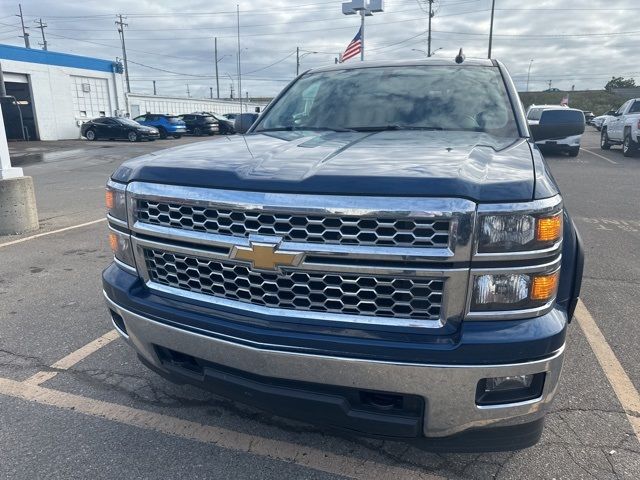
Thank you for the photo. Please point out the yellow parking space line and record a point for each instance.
(70, 360)
(618, 378)
(600, 156)
(301, 455)
(52, 232)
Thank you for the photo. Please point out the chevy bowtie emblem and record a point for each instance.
(265, 256)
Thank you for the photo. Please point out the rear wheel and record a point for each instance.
(574, 151)
(91, 135)
(162, 132)
(604, 140)
(628, 145)
(132, 136)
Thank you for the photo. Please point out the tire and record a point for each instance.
(573, 151)
(177, 136)
(91, 135)
(604, 140)
(163, 132)
(132, 137)
(211, 134)
(628, 145)
(197, 131)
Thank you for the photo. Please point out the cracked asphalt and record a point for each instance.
(51, 305)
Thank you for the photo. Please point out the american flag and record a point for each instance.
(354, 48)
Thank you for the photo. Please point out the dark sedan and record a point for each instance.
(113, 128)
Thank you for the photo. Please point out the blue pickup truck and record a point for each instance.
(384, 252)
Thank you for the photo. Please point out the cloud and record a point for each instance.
(163, 37)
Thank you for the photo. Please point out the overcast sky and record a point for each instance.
(580, 43)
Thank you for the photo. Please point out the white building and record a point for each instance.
(56, 92)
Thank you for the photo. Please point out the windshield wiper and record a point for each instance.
(382, 128)
(292, 128)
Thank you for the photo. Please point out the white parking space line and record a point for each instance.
(618, 378)
(600, 156)
(73, 358)
(44, 234)
(228, 439)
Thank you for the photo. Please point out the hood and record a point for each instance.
(472, 165)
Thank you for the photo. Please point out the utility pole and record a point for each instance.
(188, 92)
(42, 26)
(550, 82)
(297, 61)
(529, 73)
(215, 46)
(429, 34)
(25, 35)
(121, 26)
(211, 93)
(154, 87)
(239, 62)
(493, 9)
(231, 86)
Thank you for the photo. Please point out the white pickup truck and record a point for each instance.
(623, 128)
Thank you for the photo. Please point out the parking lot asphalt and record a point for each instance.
(99, 413)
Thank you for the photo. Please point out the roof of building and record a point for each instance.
(31, 55)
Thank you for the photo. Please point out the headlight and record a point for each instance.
(519, 231)
(120, 244)
(115, 200)
(495, 292)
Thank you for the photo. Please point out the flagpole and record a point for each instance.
(362, 15)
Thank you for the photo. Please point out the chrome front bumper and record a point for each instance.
(448, 390)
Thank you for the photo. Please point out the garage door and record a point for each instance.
(91, 97)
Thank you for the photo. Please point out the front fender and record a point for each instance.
(572, 267)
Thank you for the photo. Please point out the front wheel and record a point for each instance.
(574, 151)
(91, 135)
(177, 136)
(604, 140)
(133, 137)
(163, 133)
(628, 146)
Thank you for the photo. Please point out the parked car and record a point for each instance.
(588, 117)
(200, 124)
(600, 120)
(623, 128)
(226, 125)
(165, 123)
(570, 145)
(230, 116)
(389, 271)
(113, 128)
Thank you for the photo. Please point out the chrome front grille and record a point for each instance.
(385, 231)
(335, 293)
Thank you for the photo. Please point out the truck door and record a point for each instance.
(615, 124)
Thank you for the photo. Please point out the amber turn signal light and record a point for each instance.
(549, 229)
(113, 242)
(110, 199)
(543, 287)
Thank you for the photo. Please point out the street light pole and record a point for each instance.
(493, 9)
(215, 46)
(529, 73)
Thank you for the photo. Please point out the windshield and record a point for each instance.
(396, 97)
(128, 121)
(535, 113)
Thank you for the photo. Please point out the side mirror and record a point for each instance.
(243, 122)
(558, 123)
(611, 112)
